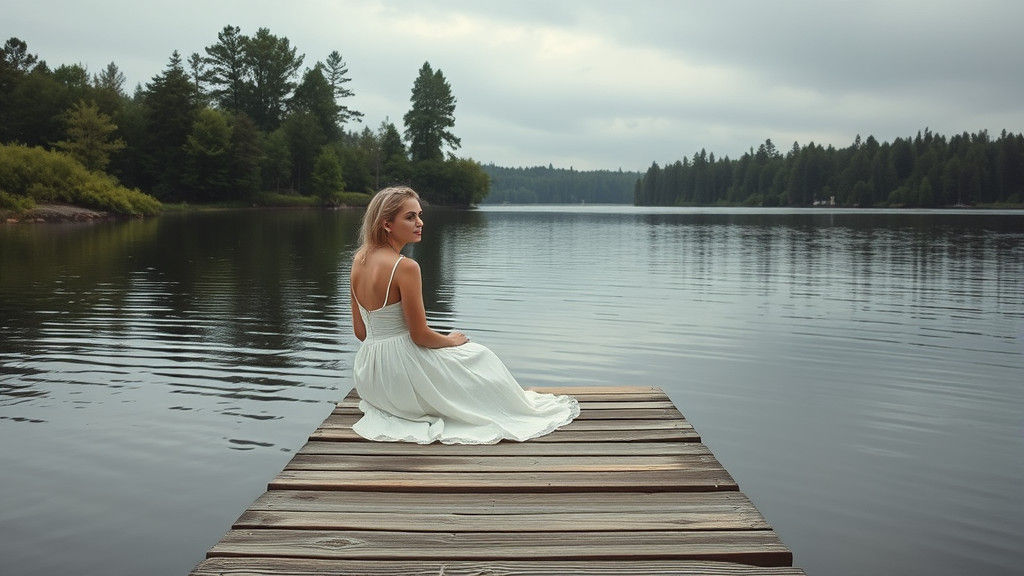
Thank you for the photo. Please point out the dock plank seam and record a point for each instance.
(627, 488)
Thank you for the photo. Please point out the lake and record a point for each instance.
(860, 373)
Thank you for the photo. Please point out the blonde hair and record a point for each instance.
(383, 207)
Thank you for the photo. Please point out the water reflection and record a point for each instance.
(209, 305)
(858, 372)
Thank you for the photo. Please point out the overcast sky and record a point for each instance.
(597, 84)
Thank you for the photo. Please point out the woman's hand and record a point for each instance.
(457, 338)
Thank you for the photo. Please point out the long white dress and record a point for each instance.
(456, 395)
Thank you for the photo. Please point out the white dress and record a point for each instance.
(456, 395)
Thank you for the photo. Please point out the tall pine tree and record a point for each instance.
(428, 123)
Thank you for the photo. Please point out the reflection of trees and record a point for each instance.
(257, 271)
(445, 230)
(238, 287)
(899, 251)
(54, 271)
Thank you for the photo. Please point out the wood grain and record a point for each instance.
(627, 488)
(499, 503)
(612, 414)
(547, 521)
(757, 547)
(506, 449)
(270, 566)
(709, 477)
(560, 435)
(498, 463)
(607, 420)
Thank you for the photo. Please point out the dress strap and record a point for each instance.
(392, 277)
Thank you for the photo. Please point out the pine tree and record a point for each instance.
(337, 76)
(207, 157)
(428, 123)
(244, 172)
(327, 178)
(273, 64)
(228, 71)
(170, 103)
(89, 136)
(315, 96)
(394, 158)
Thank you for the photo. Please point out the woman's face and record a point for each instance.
(407, 227)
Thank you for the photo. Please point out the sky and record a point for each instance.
(596, 84)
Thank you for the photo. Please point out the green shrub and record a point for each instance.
(278, 200)
(49, 177)
(352, 198)
(15, 203)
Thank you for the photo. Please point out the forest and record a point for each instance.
(550, 185)
(248, 121)
(244, 121)
(927, 170)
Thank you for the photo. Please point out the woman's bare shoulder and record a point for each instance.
(408, 270)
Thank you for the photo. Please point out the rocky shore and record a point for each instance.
(57, 213)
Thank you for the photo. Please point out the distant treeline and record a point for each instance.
(926, 170)
(540, 185)
(244, 120)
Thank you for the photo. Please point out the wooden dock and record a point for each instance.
(628, 488)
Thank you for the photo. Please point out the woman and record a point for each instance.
(418, 385)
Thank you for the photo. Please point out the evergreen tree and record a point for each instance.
(170, 103)
(228, 69)
(16, 57)
(15, 66)
(207, 157)
(108, 89)
(327, 180)
(393, 156)
(356, 164)
(315, 97)
(89, 136)
(305, 138)
(428, 123)
(337, 77)
(276, 161)
(245, 155)
(199, 74)
(273, 64)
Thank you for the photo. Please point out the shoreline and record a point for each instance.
(62, 213)
(54, 213)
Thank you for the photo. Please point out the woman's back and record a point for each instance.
(373, 279)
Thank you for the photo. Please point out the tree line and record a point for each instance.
(550, 185)
(927, 170)
(241, 121)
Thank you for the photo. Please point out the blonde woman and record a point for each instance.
(418, 385)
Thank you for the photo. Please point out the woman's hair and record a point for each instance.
(383, 207)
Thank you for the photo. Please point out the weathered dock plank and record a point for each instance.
(757, 547)
(309, 567)
(419, 463)
(708, 478)
(501, 503)
(628, 488)
(506, 449)
(697, 517)
(344, 414)
(560, 435)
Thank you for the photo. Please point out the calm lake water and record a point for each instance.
(860, 373)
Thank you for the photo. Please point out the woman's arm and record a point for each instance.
(410, 286)
(357, 319)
